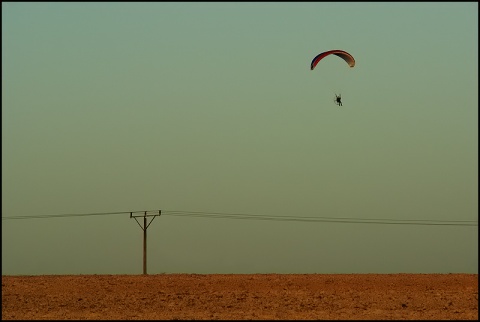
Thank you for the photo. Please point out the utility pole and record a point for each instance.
(144, 228)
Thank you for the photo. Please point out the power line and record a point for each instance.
(175, 212)
(220, 215)
(72, 215)
(325, 219)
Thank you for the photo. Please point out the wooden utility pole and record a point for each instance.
(144, 228)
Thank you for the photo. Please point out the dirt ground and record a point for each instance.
(241, 297)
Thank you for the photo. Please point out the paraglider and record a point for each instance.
(338, 99)
(337, 52)
(340, 53)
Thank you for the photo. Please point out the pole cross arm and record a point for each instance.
(149, 213)
(144, 216)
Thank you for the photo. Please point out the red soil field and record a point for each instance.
(241, 297)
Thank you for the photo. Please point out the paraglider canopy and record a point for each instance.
(340, 53)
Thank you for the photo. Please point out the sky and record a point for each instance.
(211, 108)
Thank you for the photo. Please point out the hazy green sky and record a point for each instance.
(212, 107)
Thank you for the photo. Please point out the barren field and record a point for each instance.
(240, 297)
